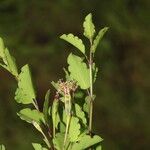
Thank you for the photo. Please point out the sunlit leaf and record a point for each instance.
(25, 93)
(79, 71)
(75, 41)
(2, 147)
(62, 127)
(98, 39)
(29, 115)
(99, 147)
(74, 129)
(8, 62)
(80, 114)
(58, 141)
(38, 146)
(89, 28)
(86, 141)
(2, 48)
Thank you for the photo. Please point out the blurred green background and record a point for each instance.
(31, 30)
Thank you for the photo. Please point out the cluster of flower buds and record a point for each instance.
(66, 87)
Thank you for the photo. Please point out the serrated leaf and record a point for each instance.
(86, 106)
(38, 146)
(79, 71)
(75, 41)
(58, 141)
(74, 129)
(80, 114)
(46, 105)
(8, 61)
(98, 39)
(25, 93)
(2, 147)
(86, 141)
(89, 28)
(29, 115)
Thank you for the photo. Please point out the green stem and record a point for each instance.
(68, 116)
(91, 91)
(67, 130)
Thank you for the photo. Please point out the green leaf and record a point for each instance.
(8, 61)
(74, 129)
(89, 28)
(55, 85)
(46, 106)
(95, 72)
(80, 114)
(75, 41)
(68, 78)
(2, 48)
(99, 147)
(62, 127)
(37, 146)
(58, 141)
(2, 147)
(11, 65)
(25, 92)
(79, 71)
(55, 114)
(86, 106)
(98, 39)
(29, 115)
(86, 141)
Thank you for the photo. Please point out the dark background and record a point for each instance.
(31, 30)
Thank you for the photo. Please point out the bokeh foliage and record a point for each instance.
(31, 30)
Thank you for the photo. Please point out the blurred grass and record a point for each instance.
(31, 30)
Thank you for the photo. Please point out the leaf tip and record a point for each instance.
(62, 36)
